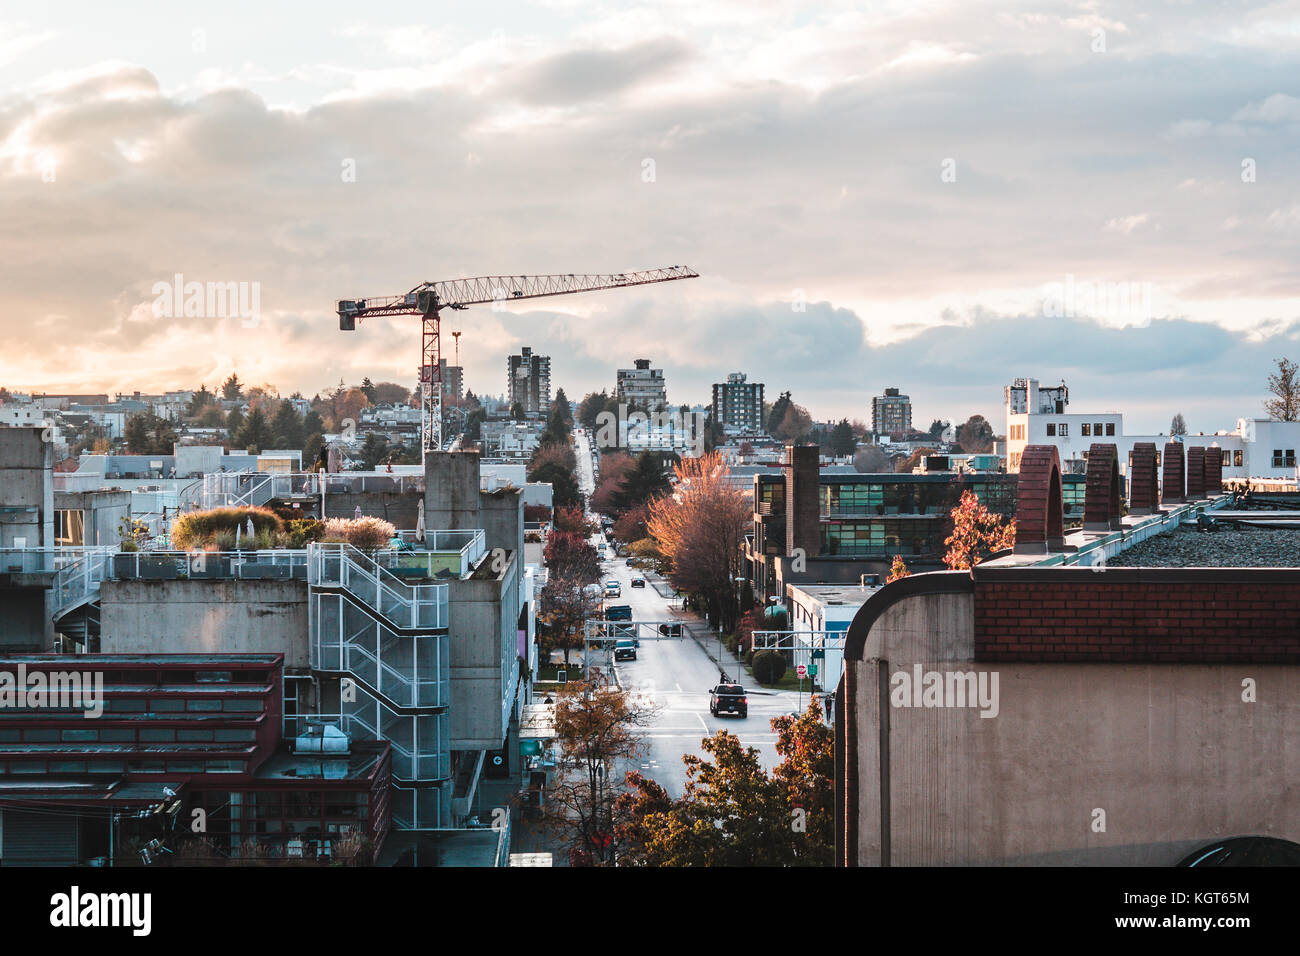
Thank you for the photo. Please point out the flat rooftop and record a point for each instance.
(1184, 547)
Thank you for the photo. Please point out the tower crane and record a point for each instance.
(428, 299)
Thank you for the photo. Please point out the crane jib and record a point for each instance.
(428, 298)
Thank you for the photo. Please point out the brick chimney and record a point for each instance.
(802, 507)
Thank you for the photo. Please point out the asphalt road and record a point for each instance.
(676, 675)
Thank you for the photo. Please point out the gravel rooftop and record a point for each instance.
(1189, 548)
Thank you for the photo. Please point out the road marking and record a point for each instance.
(702, 723)
(679, 687)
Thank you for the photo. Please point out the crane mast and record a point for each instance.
(428, 299)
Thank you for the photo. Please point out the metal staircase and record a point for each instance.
(388, 641)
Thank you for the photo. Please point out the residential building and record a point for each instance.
(738, 405)
(891, 413)
(642, 387)
(1256, 449)
(510, 439)
(453, 381)
(528, 382)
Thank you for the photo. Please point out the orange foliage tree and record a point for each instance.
(898, 569)
(699, 528)
(976, 533)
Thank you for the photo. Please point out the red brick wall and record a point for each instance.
(1126, 614)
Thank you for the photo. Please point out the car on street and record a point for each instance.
(638, 582)
(613, 589)
(618, 612)
(625, 651)
(728, 699)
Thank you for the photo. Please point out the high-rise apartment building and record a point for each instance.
(642, 387)
(453, 381)
(891, 413)
(738, 403)
(529, 381)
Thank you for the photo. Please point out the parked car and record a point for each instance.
(728, 699)
(613, 589)
(638, 582)
(618, 612)
(625, 651)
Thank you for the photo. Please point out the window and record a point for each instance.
(1063, 430)
(1290, 457)
(1110, 428)
(1085, 429)
(70, 528)
(1051, 429)
(1277, 457)
(1236, 459)
(1227, 459)
(1096, 429)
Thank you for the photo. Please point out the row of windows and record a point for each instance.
(128, 766)
(1086, 429)
(1283, 460)
(114, 735)
(1017, 433)
(913, 498)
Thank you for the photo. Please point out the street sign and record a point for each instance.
(819, 654)
(812, 670)
(802, 671)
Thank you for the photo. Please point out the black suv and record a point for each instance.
(728, 699)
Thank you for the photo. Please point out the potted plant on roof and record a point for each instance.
(132, 534)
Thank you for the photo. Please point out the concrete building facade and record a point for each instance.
(642, 387)
(528, 382)
(891, 413)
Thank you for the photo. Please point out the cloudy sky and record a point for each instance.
(941, 196)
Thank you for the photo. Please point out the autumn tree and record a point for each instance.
(913, 460)
(699, 529)
(390, 393)
(1284, 385)
(597, 731)
(806, 746)
(565, 604)
(732, 812)
(571, 518)
(897, 570)
(631, 524)
(976, 533)
(614, 467)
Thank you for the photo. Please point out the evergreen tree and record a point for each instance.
(287, 426)
(232, 388)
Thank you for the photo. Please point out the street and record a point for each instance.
(677, 675)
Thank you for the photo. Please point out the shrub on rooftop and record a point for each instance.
(199, 529)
